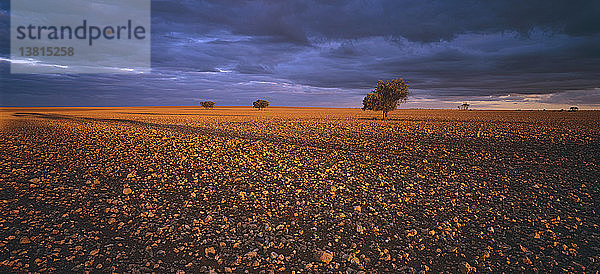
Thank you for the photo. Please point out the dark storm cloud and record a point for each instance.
(332, 52)
(423, 21)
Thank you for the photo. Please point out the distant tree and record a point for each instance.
(260, 104)
(207, 104)
(464, 106)
(573, 109)
(386, 96)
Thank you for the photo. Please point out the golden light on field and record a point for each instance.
(171, 189)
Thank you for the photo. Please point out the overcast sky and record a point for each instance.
(493, 54)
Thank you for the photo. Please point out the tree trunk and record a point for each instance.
(384, 114)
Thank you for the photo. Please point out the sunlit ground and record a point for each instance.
(289, 189)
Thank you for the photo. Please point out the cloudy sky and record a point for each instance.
(492, 54)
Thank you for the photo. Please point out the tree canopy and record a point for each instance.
(207, 104)
(386, 96)
(260, 104)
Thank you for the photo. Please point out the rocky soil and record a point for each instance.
(298, 190)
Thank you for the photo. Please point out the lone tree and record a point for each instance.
(207, 104)
(386, 96)
(573, 109)
(464, 106)
(260, 104)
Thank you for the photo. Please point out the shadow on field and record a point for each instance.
(210, 132)
(180, 114)
(67, 117)
(181, 128)
(409, 119)
(41, 115)
(512, 145)
(123, 121)
(435, 119)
